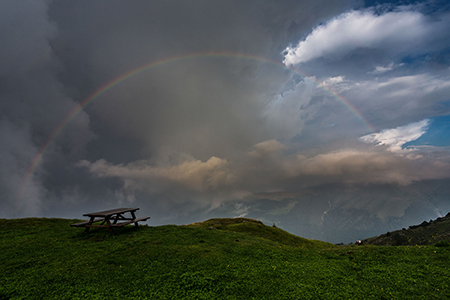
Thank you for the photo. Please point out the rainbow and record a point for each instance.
(108, 86)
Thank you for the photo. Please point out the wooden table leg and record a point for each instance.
(109, 226)
(91, 220)
(134, 218)
(116, 218)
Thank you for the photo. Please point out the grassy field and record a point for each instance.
(217, 259)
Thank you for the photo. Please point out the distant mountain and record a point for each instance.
(427, 233)
(343, 214)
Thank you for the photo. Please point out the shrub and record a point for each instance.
(442, 244)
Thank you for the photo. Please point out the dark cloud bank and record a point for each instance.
(233, 132)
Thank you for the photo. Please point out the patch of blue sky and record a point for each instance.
(369, 3)
(410, 59)
(437, 134)
(445, 104)
(431, 6)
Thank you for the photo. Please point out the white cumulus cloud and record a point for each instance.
(395, 138)
(383, 69)
(395, 31)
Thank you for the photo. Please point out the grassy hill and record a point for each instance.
(257, 229)
(215, 259)
(427, 233)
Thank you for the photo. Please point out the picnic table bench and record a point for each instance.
(110, 218)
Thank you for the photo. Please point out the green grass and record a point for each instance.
(428, 233)
(236, 259)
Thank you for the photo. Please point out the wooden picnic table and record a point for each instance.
(110, 218)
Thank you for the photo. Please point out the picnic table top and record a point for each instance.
(110, 212)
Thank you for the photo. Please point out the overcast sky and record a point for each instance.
(185, 107)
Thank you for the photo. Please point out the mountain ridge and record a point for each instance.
(427, 233)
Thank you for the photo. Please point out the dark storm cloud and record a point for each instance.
(32, 103)
(202, 107)
(55, 53)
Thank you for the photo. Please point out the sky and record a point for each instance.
(330, 119)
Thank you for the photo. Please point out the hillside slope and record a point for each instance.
(256, 228)
(215, 259)
(426, 233)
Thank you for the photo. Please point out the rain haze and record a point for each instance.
(330, 119)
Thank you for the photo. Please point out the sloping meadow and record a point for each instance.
(215, 259)
(435, 232)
